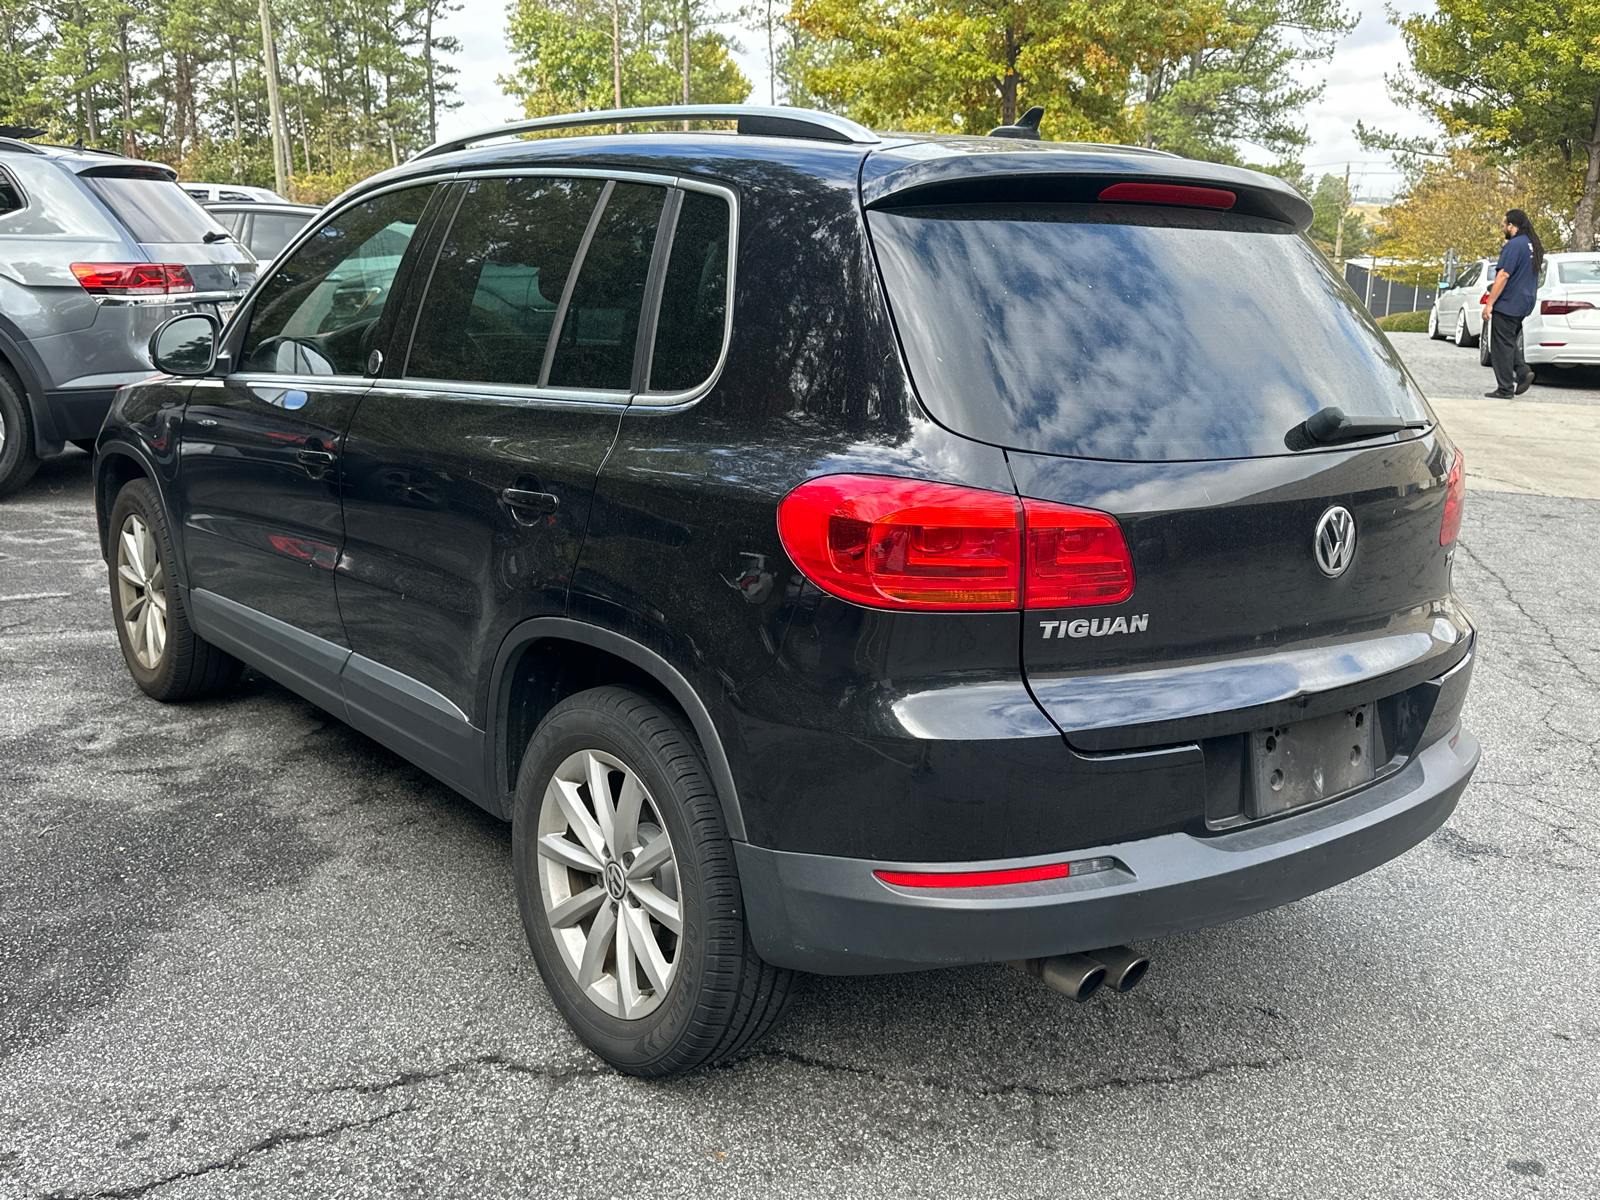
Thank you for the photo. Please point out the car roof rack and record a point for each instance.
(751, 120)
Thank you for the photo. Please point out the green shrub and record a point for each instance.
(1412, 322)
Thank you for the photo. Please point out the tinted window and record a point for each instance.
(595, 345)
(498, 281)
(1582, 271)
(271, 232)
(694, 297)
(155, 211)
(1105, 331)
(316, 314)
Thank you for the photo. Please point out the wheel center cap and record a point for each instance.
(616, 881)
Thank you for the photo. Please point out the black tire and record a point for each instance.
(1484, 360)
(722, 995)
(17, 459)
(186, 667)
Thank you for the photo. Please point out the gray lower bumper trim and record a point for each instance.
(834, 917)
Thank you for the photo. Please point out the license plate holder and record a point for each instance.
(1310, 761)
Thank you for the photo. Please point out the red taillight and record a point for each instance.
(1560, 308)
(1455, 491)
(134, 279)
(1075, 556)
(1169, 193)
(909, 544)
(1483, 299)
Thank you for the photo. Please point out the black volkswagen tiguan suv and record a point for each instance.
(831, 551)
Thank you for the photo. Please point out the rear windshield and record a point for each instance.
(1582, 271)
(156, 211)
(1113, 332)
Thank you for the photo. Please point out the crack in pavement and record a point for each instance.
(1034, 1091)
(1511, 596)
(237, 1162)
(414, 1078)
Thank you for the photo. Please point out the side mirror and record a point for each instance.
(185, 345)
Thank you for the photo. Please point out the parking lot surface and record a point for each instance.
(245, 951)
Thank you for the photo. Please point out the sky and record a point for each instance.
(1355, 88)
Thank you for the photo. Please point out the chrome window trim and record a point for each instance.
(21, 191)
(304, 383)
(610, 401)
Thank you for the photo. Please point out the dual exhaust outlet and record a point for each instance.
(1079, 976)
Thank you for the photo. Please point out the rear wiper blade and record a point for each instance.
(216, 235)
(1330, 424)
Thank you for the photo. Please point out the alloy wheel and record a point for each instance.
(608, 878)
(141, 591)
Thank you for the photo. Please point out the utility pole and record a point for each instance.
(427, 61)
(687, 33)
(772, 63)
(280, 173)
(1338, 236)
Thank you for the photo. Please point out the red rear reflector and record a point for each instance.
(1455, 491)
(957, 879)
(895, 543)
(1560, 308)
(1552, 343)
(133, 279)
(1169, 193)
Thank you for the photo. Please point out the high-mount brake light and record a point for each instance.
(1182, 195)
(1560, 308)
(1455, 492)
(909, 544)
(134, 279)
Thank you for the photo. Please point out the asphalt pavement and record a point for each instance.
(245, 951)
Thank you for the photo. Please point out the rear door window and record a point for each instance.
(694, 296)
(499, 278)
(1117, 332)
(595, 345)
(155, 210)
(271, 232)
(317, 312)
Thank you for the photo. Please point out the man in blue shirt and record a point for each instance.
(1510, 299)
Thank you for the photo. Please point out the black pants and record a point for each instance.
(1505, 351)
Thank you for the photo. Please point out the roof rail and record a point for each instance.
(8, 143)
(752, 120)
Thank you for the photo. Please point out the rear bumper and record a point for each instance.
(833, 916)
(72, 414)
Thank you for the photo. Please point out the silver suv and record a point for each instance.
(96, 250)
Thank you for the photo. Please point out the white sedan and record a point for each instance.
(1564, 327)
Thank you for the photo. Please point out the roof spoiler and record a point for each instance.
(1061, 172)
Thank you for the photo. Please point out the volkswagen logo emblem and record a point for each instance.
(616, 880)
(1335, 541)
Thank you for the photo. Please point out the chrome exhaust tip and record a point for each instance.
(1124, 967)
(1075, 976)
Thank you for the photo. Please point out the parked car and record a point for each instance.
(1458, 311)
(233, 193)
(96, 250)
(264, 228)
(832, 552)
(1564, 327)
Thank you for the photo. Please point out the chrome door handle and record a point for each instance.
(312, 457)
(527, 507)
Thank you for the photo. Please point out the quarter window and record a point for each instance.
(10, 194)
(317, 313)
(496, 288)
(694, 297)
(595, 345)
